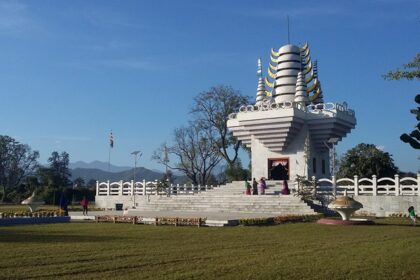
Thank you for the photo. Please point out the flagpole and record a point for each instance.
(109, 159)
(111, 145)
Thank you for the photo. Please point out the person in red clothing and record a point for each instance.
(248, 188)
(85, 203)
(285, 190)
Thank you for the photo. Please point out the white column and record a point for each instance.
(132, 187)
(397, 185)
(97, 187)
(121, 187)
(156, 189)
(108, 189)
(356, 185)
(315, 184)
(144, 187)
(374, 186)
(418, 184)
(334, 185)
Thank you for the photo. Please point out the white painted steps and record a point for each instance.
(229, 199)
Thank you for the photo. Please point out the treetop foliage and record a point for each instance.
(17, 161)
(411, 71)
(366, 160)
(211, 110)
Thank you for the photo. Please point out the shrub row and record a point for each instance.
(280, 220)
(50, 213)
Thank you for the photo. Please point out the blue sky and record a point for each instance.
(72, 70)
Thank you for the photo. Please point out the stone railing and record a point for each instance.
(287, 105)
(146, 188)
(365, 186)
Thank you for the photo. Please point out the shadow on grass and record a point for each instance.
(10, 235)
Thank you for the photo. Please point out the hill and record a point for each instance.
(141, 174)
(127, 175)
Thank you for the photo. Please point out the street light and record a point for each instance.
(166, 161)
(333, 141)
(136, 155)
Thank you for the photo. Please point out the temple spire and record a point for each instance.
(319, 98)
(261, 92)
(301, 95)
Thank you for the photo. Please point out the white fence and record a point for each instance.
(408, 186)
(365, 186)
(146, 188)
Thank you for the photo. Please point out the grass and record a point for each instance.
(389, 250)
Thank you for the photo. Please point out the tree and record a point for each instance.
(414, 137)
(196, 153)
(212, 109)
(79, 182)
(366, 160)
(59, 166)
(91, 184)
(413, 72)
(17, 161)
(235, 172)
(55, 176)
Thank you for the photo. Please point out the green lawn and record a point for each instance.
(390, 250)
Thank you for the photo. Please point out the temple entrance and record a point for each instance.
(278, 169)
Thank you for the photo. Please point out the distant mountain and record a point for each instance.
(98, 165)
(127, 175)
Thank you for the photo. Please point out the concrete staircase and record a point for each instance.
(229, 199)
(238, 188)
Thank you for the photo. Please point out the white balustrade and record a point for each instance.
(324, 186)
(146, 188)
(364, 186)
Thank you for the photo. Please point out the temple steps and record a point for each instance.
(222, 202)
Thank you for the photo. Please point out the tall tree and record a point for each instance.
(17, 161)
(211, 109)
(195, 151)
(366, 160)
(59, 170)
(411, 72)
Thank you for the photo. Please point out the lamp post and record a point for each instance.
(333, 142)
(166, 160)
(136, 155)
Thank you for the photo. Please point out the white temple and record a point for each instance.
(290, 126)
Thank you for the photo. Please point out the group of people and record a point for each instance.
(258, 188)
(64, 205)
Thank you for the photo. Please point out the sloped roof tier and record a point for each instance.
(323, 129)
(273, 128)
(277, 128)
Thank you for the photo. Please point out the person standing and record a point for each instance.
(85, 203)
(262, 186)
(248, 188)
(254, 187)
(412, 215)
(64, 204)
(285, 190)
